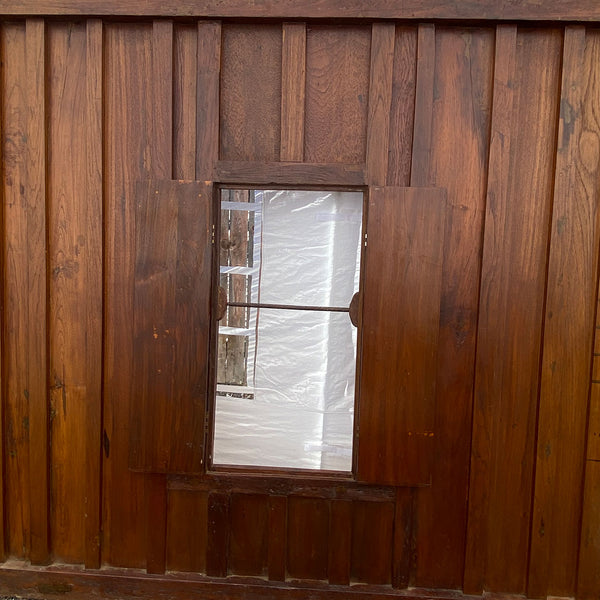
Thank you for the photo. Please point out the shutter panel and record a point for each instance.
(171, 325)
(400, 325)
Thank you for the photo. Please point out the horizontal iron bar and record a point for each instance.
(288, 306)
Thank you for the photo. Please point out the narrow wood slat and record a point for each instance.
(35, 190)
(383, 38)
(94, 285)
(569, 324)
(293, 90)
(403, 274)
(420, 174)
(529, 10)
(208, 85)
(249, 535)
(3, 395)
(217, 547)
(404, 547)
(156, 520)
(289, 173)
(593, 435)
(340, 542)
(277, 538)
(588, 579)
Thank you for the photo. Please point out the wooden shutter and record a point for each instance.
(400, 324)
(171, 325)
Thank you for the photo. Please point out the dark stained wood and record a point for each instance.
(460, 130)
(307, 538)
(249, 535)
(532, 10)
(207, 101)
(289, 173)
(402, 279)
(37, 359)
(420, 173)
(588, 576)
(372, 534)
(526, 83)
(277, 538)
(251, 86)
(403, 106)
(187, 531)
(593, 438)
(340, 542)
(293, 88)
(404, 547)
(3, 516)
(569, 324)
(217, 547)
(156, 523)
(383, 37)
(337, 90)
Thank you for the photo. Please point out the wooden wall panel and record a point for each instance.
(248, 541)
(337, 92)
(460, 129)
(588, 583)
(251, 88)
(520, 180)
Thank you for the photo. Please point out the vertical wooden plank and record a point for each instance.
(593, 442)
(404, 543)
(337, 87)
(526, 82)
(248, 539)
(35, 192)
(403, 106)
(128, 112)
(459, 154)
(187, 530)
(3, 538)
(293, 91)
(16, 409)
(588, 580)
(277, 538)
(217, 547)
(383, 37)
(372, 535)
(156, 523)
(307, 538)
(340, 542)
(94, 286)
(251, 86)
(568, 325)
(420, 174)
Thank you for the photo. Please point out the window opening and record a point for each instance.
(289, 267)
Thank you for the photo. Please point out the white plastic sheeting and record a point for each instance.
(296, 409)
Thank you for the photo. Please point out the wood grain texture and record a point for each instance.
(187, 531)
(340, 542)
(383, 38)
(401, 311)
(372, 534)
(532, 10)
(156, 523)
(593, 441)
(217, 547)
(37, 358)
(278, 519)
(337, 89)
(307, 538)
(293, 91)
(404, 547)
(568, 325)
(519, 191)
(588, 576)
(250, 86)
(249, 536)
(460, 130)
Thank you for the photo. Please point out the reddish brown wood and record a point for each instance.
(3, 536)
(251, 86)
(307, 538)
(403, 106)
(402, 279)
(37, 359)
(277, 538)
(372, 534)
(340, 542)
(336, 121)
(463, 77)
(217, 547)
(526, 83)
(187, 531)
(290, 173)
(156, 523)
(588, 576)
(404, 547)
(293, 88)
(593, 441)
(383, 37)
(568, 326)
(249, 536)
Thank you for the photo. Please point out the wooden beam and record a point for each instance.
(529, 10)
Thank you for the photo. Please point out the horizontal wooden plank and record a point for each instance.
(289, 173)
(560, 10)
